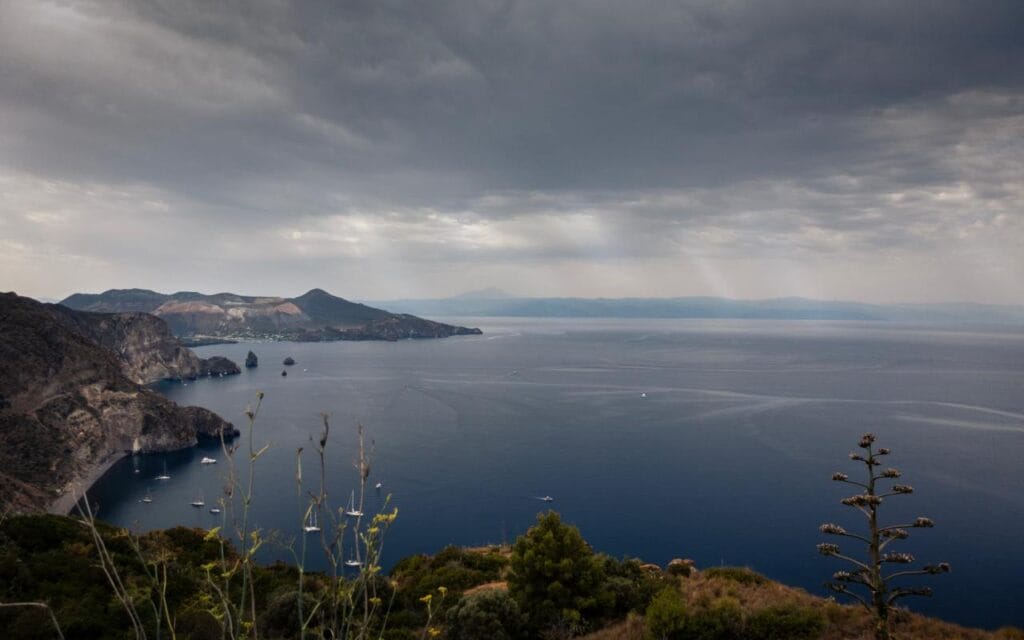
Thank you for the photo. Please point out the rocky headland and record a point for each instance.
(147, 349)
(73, 398)
(312, 317)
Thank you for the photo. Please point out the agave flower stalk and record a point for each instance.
(869, 574)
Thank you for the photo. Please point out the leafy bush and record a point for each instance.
(785, 622)
(485, 615)
(630, 585)
(666, 616)
(280, 617)
(722, 620)
(454, 568)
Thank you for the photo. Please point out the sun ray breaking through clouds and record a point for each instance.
(834, 150)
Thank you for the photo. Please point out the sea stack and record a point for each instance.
(218, 366)
(283, 372)
(251, 360)
(289, 361)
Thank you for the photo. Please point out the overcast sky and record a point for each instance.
(845, 150)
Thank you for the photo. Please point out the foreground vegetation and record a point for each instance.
(550, 584)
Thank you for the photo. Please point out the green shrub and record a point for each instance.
(666, 617)
(453, 568)
(485, 615)
(629, 585)
(785, 622)
(743, 575)
(722, 620)
(196, 624)
(280, 616)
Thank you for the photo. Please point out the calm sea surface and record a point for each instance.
(712, 440)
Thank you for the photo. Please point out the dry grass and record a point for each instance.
(845, 622)
(632, 628)
(502, 550)
(487, 586)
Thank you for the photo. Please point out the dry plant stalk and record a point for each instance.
(869, 573)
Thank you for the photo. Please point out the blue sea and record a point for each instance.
(710, 440)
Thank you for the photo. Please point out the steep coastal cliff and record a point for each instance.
(148, 350)
(71, 399)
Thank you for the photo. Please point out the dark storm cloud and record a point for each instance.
(529, 130)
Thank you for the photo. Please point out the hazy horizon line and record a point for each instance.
(516, 296)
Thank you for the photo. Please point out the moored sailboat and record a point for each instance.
(352, 509)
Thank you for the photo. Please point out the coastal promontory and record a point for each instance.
(312, 317)
(72, 399)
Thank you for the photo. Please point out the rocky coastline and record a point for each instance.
(73, 398)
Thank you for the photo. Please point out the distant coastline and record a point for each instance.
(225, 318)
(204, 341)
(708, 308)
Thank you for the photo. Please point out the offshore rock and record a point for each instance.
(251, 360)
(218, 366)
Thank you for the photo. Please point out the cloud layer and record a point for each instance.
(384, 149)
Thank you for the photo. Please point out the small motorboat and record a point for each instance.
(546, 499)
(215, 510)
(208, 461)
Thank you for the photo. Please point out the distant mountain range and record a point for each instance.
(313, 316)
(493, 303)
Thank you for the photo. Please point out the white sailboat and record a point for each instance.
(198, 502)
(215, 510)
(311, 525)
(146, 498)
(352, 509)
(164, 475)
(353, 556)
